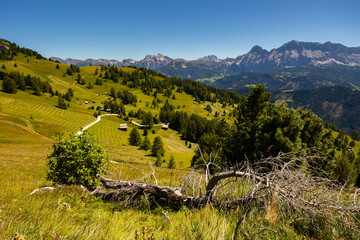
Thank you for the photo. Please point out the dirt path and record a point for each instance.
(96, 121)
(28, 129)
(66, 84)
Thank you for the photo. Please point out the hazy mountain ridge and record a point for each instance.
(338, 105)
(291, 54)
(294, 78)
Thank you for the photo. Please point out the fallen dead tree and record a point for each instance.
(297, 186)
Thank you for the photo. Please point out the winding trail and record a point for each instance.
(96, 121)
(28, 129)
(99, 118)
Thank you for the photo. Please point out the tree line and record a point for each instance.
(9, 50)
(14, 81)
(149, 81)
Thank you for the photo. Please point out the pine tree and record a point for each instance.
(171, 162)
(135, 137)
(3, 66)
(90, 86)
(67, 97)
(9, 85)
(57, 66)
(71, 92)
(145, 132)
(157, 149)
(61, 102)
(113, 92)
(145, 145)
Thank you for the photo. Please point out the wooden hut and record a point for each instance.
(123, 126)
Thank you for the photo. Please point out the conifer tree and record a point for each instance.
(145, 145)
(61, 102)
(9, 85)
(71, 92)
(157, 149)
(135, 137)
(171, 162)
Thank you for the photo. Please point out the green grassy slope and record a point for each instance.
(27, 123)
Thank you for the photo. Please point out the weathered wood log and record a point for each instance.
(134, 190)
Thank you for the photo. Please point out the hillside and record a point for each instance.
(337, 105)
(291, 54)
(294, 78)
(41, 97)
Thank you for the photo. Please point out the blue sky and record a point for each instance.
(178, 29)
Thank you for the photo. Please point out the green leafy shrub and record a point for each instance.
(76, 159)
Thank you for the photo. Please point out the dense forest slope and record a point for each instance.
(337, 105)
(295, 78)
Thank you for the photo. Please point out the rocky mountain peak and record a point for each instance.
(211, 58)
(257, 49)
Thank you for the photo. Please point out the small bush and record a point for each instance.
(76, 159)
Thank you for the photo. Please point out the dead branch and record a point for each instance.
(299, 187)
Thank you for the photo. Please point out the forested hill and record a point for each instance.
(8, 50)
(295, 78)
(337, 105)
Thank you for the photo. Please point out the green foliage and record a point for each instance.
(113, 92)
(210, 144)
(146, 144)
(336, 105)
(11, 50)
(147, 119)
(71, 92)
(57, 66)
(61, 102)
(22, 82)
(343, 170)
(158, 162)
(76, 159)
(171, 162)
(98, 81)
(9, 85)
(157, 149)
(135, 137)
(90, 85)
(208, 108)
(3, 66)
(305, 77)
(264, 129)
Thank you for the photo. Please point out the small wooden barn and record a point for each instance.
(123, 126)
(165, 126)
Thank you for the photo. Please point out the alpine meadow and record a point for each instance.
(134, 152)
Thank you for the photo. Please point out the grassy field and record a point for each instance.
(70, 213)
(27, 123)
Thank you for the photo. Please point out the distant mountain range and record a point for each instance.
(291, 54)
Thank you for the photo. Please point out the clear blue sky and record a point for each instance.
(178, 29)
